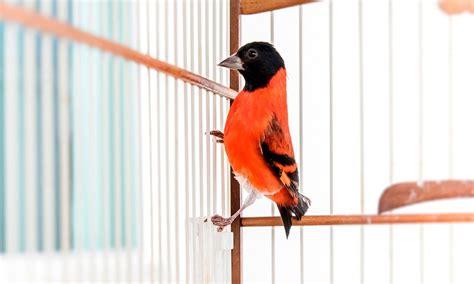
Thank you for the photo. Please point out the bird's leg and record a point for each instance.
(221, 222)
(218, 134)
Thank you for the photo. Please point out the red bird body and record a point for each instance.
(248, 122)
(257, 136)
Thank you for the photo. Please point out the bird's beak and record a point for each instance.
(233, 62)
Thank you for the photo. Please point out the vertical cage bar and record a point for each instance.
(139, 152)
(150, 148)
(450, 139)
(390, 126)
(186, 86)
(208, 107)
(214, 107)
(160, 254)
(64, 70)
(176, 143)
(223, 187)
(200, 68)
(300, 131)
(167, 145)
(3, 212)
(96, 138)
(200, 138)
(361, 141)
(106, 67)
(234, 33)
(57, 142)
(30, 133)
(221, 55)
(193, 142)
(11, 210)
(331, 141)
(116, 138)
(420, 125)
(121, 151)
(128, 160)
(39, 135)
(214, 155)
(77, 243)
(272, 212)
(105, 142)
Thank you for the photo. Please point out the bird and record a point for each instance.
(257, 137)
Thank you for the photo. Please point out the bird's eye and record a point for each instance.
(252, 53)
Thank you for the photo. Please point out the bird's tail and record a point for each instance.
(298, 210)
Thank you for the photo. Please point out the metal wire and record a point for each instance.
(390, 126)
(331, 140)
(450, 141)
(214, 111)
(200, 137)
(193, 141)
(208, 109)
(140, 236)
(150, 149)
(187, 253)
(176, 143)
(361, 142)
(272, 39)
(420, 125)
(301, 112)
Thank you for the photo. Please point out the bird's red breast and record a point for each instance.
(258, 142)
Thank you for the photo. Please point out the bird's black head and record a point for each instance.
(257, 62)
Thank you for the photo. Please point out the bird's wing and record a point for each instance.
(277, 151)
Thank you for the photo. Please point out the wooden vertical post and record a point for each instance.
(234, 18)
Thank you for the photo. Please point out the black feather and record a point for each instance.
(297, 210)
(259, 71)
(286, 218)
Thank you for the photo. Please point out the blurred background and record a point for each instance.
(106, 174)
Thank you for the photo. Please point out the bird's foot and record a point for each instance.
(221, 222)
(218, 134)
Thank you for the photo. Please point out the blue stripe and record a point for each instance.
(96, 185)
(134, 151)
(100, 170)
(21, 140)
(39, 135)
(70, 63)
(56, 158)
(99, 150)
(111, 155)
(122, 153)
(133, 138)
(122, 134)
(111, 137)
(74, 149)
(133, 144)
(85, 126)
(74, 145)
(2, 139)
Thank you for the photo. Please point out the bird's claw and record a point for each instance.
(217, 134)
(220, 222)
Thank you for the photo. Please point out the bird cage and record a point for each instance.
(108, 171)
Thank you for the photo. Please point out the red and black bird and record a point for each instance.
(257, 136)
